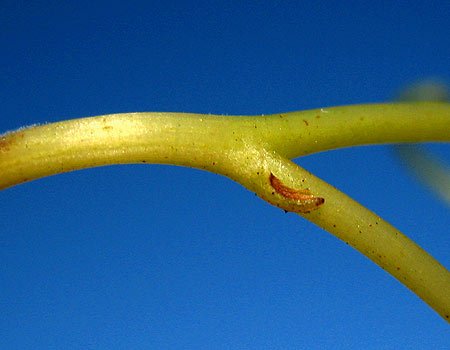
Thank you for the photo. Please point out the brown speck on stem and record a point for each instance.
(4, 145)
(303, 195)
(8, 140)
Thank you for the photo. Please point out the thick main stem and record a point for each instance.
(205, 141)
(252, 151)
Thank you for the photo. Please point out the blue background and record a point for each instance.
(164, 257)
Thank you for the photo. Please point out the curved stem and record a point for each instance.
(383, 244)
(206, 141)
(352, 223)
(254, 151)
(166, 138)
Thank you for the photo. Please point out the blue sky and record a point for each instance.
(138, 256)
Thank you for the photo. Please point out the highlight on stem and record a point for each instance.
(255, 151)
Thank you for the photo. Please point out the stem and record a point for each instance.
(254, 151)
(307, 132)
(383, 244)
(356, 225)
(205, 141)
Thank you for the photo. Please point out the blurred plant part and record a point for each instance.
(433, 172)
(431, 90)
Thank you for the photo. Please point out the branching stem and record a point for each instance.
(255, 152)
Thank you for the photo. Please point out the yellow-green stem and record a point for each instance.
(252, 151)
